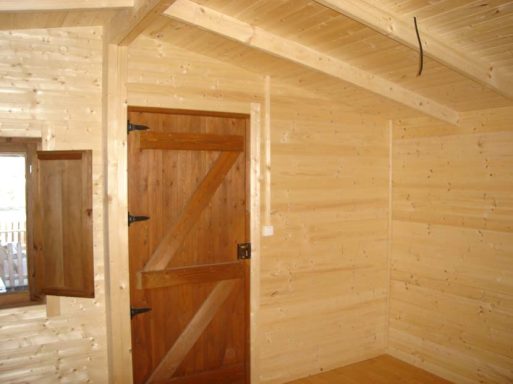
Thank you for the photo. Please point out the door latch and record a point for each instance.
(244, 251)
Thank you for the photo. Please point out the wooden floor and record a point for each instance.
(380, 370)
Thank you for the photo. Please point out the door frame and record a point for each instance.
(118, 300)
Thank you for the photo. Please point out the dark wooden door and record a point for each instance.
(188, 173)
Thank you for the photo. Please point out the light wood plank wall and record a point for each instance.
(452, 246)
(50, 87)
(324, 273)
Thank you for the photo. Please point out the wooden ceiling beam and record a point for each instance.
(61, 5)
(130, 23)
(251, 36)
(402, 30)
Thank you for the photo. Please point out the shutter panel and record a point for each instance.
(63, 236)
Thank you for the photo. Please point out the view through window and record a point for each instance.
(13, 212)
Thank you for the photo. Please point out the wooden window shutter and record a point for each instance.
(63, 235)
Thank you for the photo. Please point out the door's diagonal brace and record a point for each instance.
(173, 240)
(192, 332)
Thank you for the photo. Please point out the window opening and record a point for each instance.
(13, 223)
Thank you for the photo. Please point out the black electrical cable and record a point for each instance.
(421, 53)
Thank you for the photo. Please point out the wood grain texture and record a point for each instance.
(190, 275)
(275, 45)
(191, 141)
(398, 27)
(254, 230)
(452, 272)
(267, 144)
(338, 36)
(325, 269)
(175, 356)
(27, 20)
(195, 112)
(129, 23)
(64, 231)
(379, 370)
(56, 97)
(60, 155)
(59, 5)
(478, 30)
(319, 87)
(208, 188)
(173, 240)
(231, 374)
(114, 138)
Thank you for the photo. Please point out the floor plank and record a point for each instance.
(380, 370)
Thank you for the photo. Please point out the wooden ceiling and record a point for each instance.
(186, 37)
(483, 26)
(468, 45)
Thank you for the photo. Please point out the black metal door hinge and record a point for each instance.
(133, 219)
(135, 127)
(244, 251)
(138, 311)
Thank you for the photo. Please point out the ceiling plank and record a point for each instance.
(130, 23)
(251, 36)
(61, 5)
(402, 30)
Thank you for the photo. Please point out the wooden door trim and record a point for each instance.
(255, 230)
(190, 275)
(117, 276)
(173, 240)
(115, 198)
(194, 110)
(174, 357)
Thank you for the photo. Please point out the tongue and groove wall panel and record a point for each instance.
(451, 298)
(324, 273)
(50, 87)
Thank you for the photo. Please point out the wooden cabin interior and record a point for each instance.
(368, 160)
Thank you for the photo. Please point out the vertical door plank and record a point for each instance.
(220, 227)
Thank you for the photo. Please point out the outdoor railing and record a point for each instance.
(13, 257)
